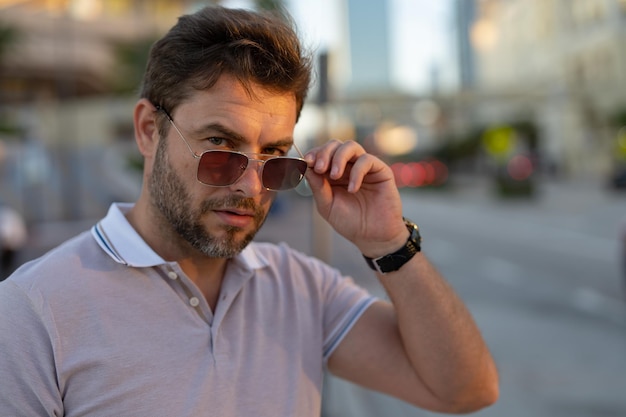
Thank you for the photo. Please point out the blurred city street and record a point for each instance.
(543, 280)
(542, 277)
(503, 121)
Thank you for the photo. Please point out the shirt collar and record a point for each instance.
(117, 237)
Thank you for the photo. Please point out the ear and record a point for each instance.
(146, 130)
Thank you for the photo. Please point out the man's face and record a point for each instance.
(219, 221)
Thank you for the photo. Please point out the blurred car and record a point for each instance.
(515, 178)
(617, 179)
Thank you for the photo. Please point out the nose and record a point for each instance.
(250, 183)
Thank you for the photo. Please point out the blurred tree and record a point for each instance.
(8, 36)
(133, 56)
(131, 62)
(457, 149)
(618, 119)
(273, 5)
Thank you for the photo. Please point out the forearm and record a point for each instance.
(452, 368)
(440, 338)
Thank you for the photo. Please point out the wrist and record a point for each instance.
(394, 259)
(377, 249)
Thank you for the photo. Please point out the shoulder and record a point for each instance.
(64, 262)
(290, 267)
(283, 258)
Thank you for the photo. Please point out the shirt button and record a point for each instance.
(193, 301)
(172, 275)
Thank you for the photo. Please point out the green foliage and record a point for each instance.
(528, 132)
(618, 119)
(469, 145)
(131, 63)
(456, 149)
(273, 5)
(8, 36)
(132, 56)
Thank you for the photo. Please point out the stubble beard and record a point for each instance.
(170, 197)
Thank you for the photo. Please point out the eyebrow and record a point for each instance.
(220, 129)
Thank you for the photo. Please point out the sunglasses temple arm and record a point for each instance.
(182, 137)
(298, 150)
(169, 118)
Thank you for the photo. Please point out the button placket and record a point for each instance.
(185, 289)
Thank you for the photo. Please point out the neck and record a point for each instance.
(207, 273)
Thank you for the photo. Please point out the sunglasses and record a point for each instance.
(221, 168)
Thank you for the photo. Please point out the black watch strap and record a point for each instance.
(394, 261)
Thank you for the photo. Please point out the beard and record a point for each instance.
(170, 197)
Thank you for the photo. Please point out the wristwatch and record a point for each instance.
(394, 261)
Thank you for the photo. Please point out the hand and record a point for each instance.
(355, 192)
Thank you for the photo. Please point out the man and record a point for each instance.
(167, 309)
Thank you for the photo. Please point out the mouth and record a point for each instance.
(233, 217)
(236, 212)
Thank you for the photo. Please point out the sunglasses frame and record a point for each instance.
(261, 161)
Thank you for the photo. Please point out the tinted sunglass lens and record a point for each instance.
(221, 168)
(283, 173)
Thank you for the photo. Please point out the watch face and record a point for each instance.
(415, 234)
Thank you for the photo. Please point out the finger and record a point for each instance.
(343, 157)
(363, 166)
(319, 158)
(322, 192)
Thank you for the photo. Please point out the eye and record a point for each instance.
(277, 151)
(216, 141)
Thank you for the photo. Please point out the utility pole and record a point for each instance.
(322, 232)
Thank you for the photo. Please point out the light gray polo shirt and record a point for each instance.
(102, 326)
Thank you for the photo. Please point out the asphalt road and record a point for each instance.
(542, 278)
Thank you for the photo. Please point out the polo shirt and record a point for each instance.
(103, 326)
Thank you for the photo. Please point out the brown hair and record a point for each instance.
(259, 48)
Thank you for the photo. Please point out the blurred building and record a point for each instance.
(465, 15)
(61, 63)
(560, 64)
(367, 103)
(66, 47)
(369, 45)
(65, 55)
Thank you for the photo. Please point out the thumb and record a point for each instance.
(322, 192)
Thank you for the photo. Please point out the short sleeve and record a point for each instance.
(29, 384)
(341, 300)
(344, 304)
